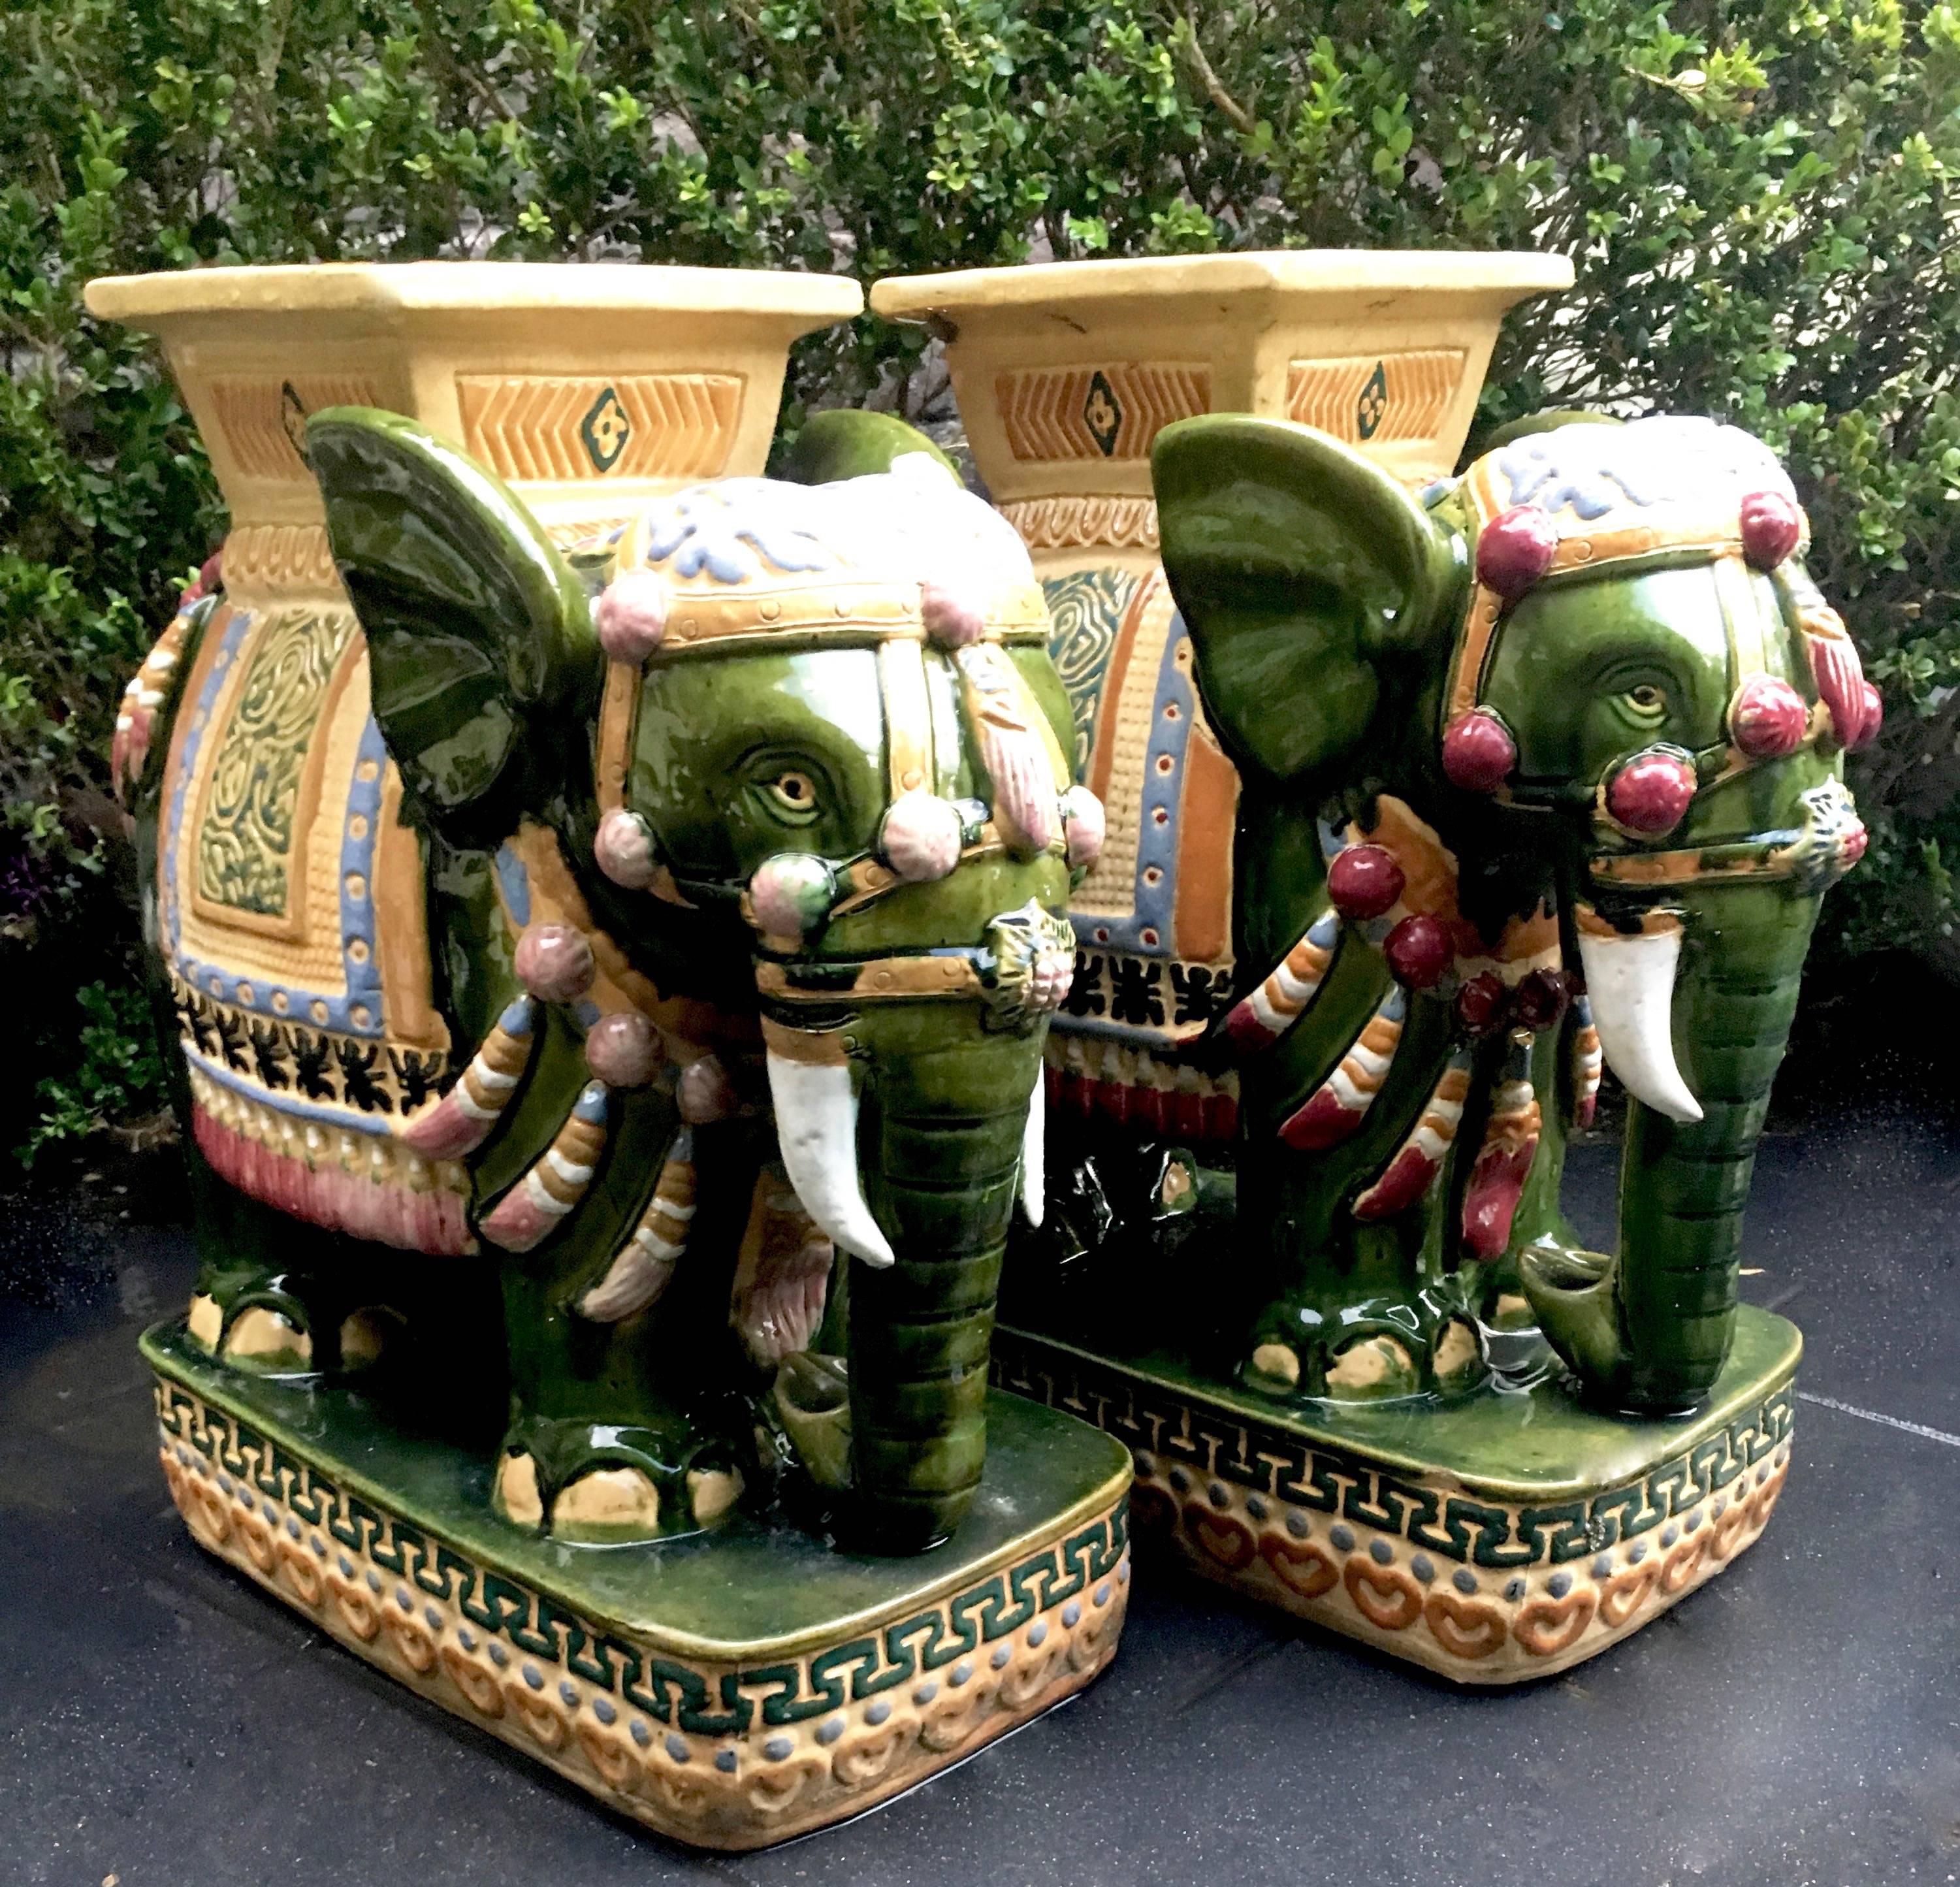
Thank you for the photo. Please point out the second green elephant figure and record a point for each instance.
(1538, 766)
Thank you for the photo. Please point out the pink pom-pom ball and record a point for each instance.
(953, 617)
(1478, 752)
(624, 848)
(1515, 549)
(1362, 881)
(554, 962)
(623, 1049)
(791, 893)
(1769, 719)
(705, 1092)
(632, 616)
(1651, 793)
(1771, 526)
(921, 838)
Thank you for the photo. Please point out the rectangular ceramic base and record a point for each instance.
(1494, 1540)
(730, 1691)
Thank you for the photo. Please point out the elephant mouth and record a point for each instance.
(1810, 857)
(1018, 977)
(1631, 965)
(1019, 974)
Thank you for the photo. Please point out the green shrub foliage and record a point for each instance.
(1759, 197)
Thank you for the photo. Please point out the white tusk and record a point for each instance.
(816, 1127)
(1034, 1143)
(1630, 983)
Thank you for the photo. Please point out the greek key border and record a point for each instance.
(1163, 1429)
(251, 1469)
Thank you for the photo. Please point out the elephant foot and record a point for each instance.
(272, 1326)
(267, 1330)
(1371, 1353)
(603, 1485)
(1373, 1369)
(205, 1323)
(367, 1334)
(1513, 1341)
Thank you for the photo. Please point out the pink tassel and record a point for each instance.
(553, 1186)
(1026, 806)
(464, 1119)
(1504, 1161)
(1340, 1104)
(1839, 673)
(1409, 1175)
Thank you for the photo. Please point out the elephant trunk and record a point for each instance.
(921, 1190)
(920, 1328)
(1648, 1331)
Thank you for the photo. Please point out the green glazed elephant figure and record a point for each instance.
(1540, 767)
(734, 843)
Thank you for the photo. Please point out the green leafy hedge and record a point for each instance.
(1760, 198)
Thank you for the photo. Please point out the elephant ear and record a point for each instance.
(479, 636)
(845, 444)
(1300, 568)
(1550, 420)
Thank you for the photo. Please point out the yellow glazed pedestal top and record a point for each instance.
(1066, 372)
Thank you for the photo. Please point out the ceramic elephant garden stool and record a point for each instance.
(720, 856)
(1303, 1247)
(1540, 767)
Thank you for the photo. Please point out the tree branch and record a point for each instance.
(1220, 97)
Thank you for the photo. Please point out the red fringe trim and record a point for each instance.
(431, 1222)
(1191, 1119)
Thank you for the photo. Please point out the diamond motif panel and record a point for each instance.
(1097, 412)
(1372, 398)
(548, 427)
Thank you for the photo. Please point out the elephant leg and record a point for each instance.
(627, 1410)
(279, 1297)
(602, 1443)
(1362, 1302)
(1538, 1223)
(1367, 1327)
(1119, 1213)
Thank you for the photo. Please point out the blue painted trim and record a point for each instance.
(347, 1119)
(360, 965)
(1172, 709)
(514, 883)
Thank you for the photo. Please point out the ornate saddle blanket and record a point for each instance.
(1153, 917)
(292, 915)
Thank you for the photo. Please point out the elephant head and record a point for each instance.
(796, 746)
(1571, 726)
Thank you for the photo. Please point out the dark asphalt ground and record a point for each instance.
(1797, 1722)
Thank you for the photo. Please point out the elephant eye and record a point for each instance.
(1647, 701)
(793, 791)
